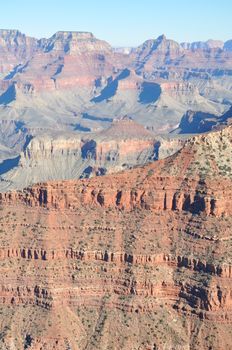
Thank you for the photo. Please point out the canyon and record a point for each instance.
(115, 194)
(71, 88)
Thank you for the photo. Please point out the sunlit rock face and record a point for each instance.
(137, 247)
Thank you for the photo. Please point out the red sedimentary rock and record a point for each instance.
(83, 258)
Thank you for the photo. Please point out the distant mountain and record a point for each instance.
(203, 45)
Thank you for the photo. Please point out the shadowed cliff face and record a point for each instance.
(150, 93)
(8, 96)
(111, 88)
(198, 122)
(148, 247)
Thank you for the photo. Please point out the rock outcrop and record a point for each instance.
(148, 246)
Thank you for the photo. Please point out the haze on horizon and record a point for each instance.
(121, 23)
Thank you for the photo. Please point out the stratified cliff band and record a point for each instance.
(143, 256)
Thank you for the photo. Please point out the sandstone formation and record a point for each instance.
(143, 255)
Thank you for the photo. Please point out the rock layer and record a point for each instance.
(148, 246)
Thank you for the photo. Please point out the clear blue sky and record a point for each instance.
(121, 22)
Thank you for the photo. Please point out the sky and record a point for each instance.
(121, 22)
